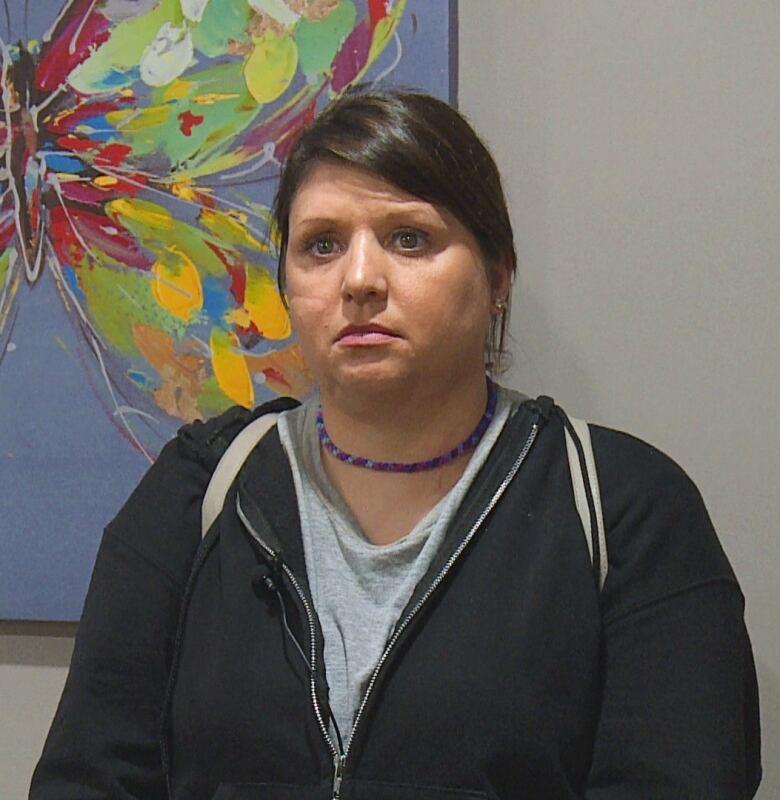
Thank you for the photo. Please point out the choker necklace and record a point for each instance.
(414, 466)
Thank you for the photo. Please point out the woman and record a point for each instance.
(397, 600)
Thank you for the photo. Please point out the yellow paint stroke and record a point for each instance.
(264, 305)
(181, 375)
(230, 368)
(184, 190)
(134, 119)
(105, 181)
(239, 317)
(230, 227)
(209, 98)
(7, 295)
(177, 287)
(177, 89)
(148, 214)
(270, 68)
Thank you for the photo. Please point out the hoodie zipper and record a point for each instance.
(438, 579)
(312, 640)
(339, 758)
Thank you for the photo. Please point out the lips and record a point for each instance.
(365, 335)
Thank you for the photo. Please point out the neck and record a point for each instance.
(414, 424)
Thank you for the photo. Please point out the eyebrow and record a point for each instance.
(432, 216)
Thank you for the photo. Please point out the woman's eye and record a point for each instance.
(411, 239)
(322, 246)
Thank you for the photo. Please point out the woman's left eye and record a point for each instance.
(410, 239)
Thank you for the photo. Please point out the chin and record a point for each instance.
(369, 379)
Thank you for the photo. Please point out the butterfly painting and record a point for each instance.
(126, 133)
(140, 142)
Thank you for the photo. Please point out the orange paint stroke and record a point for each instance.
(181, 374)
(284, 370)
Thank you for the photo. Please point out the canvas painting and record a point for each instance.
(140, 143)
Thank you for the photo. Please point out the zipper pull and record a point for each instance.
(338, 774)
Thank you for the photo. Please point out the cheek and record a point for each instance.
(310, 316)
(460, 304)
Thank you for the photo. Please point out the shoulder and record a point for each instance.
(660, 538)
(161, 519)
(636, 472)
(206, 441)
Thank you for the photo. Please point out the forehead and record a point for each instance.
(333, 189)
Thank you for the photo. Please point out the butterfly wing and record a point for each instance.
(161, 129)
(10, 277)
(10, 273)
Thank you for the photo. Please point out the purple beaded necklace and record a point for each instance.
(415, 466)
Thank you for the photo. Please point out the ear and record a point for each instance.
(502, 280)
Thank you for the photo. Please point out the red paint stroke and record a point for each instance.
(66, 121)
(34, 209)
(101, 235)
(188, 121)
(248, 335)
(72, 43)
(272, 374)
(91, 194)
(282, 131)
(77, 144)
(288, 139)
(129, 185)
(237, 283)
(112, 155)
(352, 57)
(86, 193)
(7, 229)
(66, 244)
(235, 266)
(377, 9)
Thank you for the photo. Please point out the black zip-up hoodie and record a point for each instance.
(508, 674)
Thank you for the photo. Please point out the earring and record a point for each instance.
(500, 305)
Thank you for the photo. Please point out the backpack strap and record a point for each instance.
(587, 498)
(228, 467)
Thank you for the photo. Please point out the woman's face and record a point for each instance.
(384, 289)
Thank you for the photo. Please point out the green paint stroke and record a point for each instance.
(120, 299)
(223, 22)
(212, 400)
(122, 52)
(5, 262)
(211, 107)
(319, 40)
(157, 230)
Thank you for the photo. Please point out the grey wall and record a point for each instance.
(639, 144)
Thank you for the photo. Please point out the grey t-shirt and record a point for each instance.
(359, 589)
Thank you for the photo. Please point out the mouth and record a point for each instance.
(365, 335)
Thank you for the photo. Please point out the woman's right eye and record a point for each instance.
(322, 245)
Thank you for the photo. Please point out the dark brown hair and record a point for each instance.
(424, 147)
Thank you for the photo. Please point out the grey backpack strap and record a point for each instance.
(587, 497)
(228, 467)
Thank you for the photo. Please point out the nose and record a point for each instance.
(364, 277)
